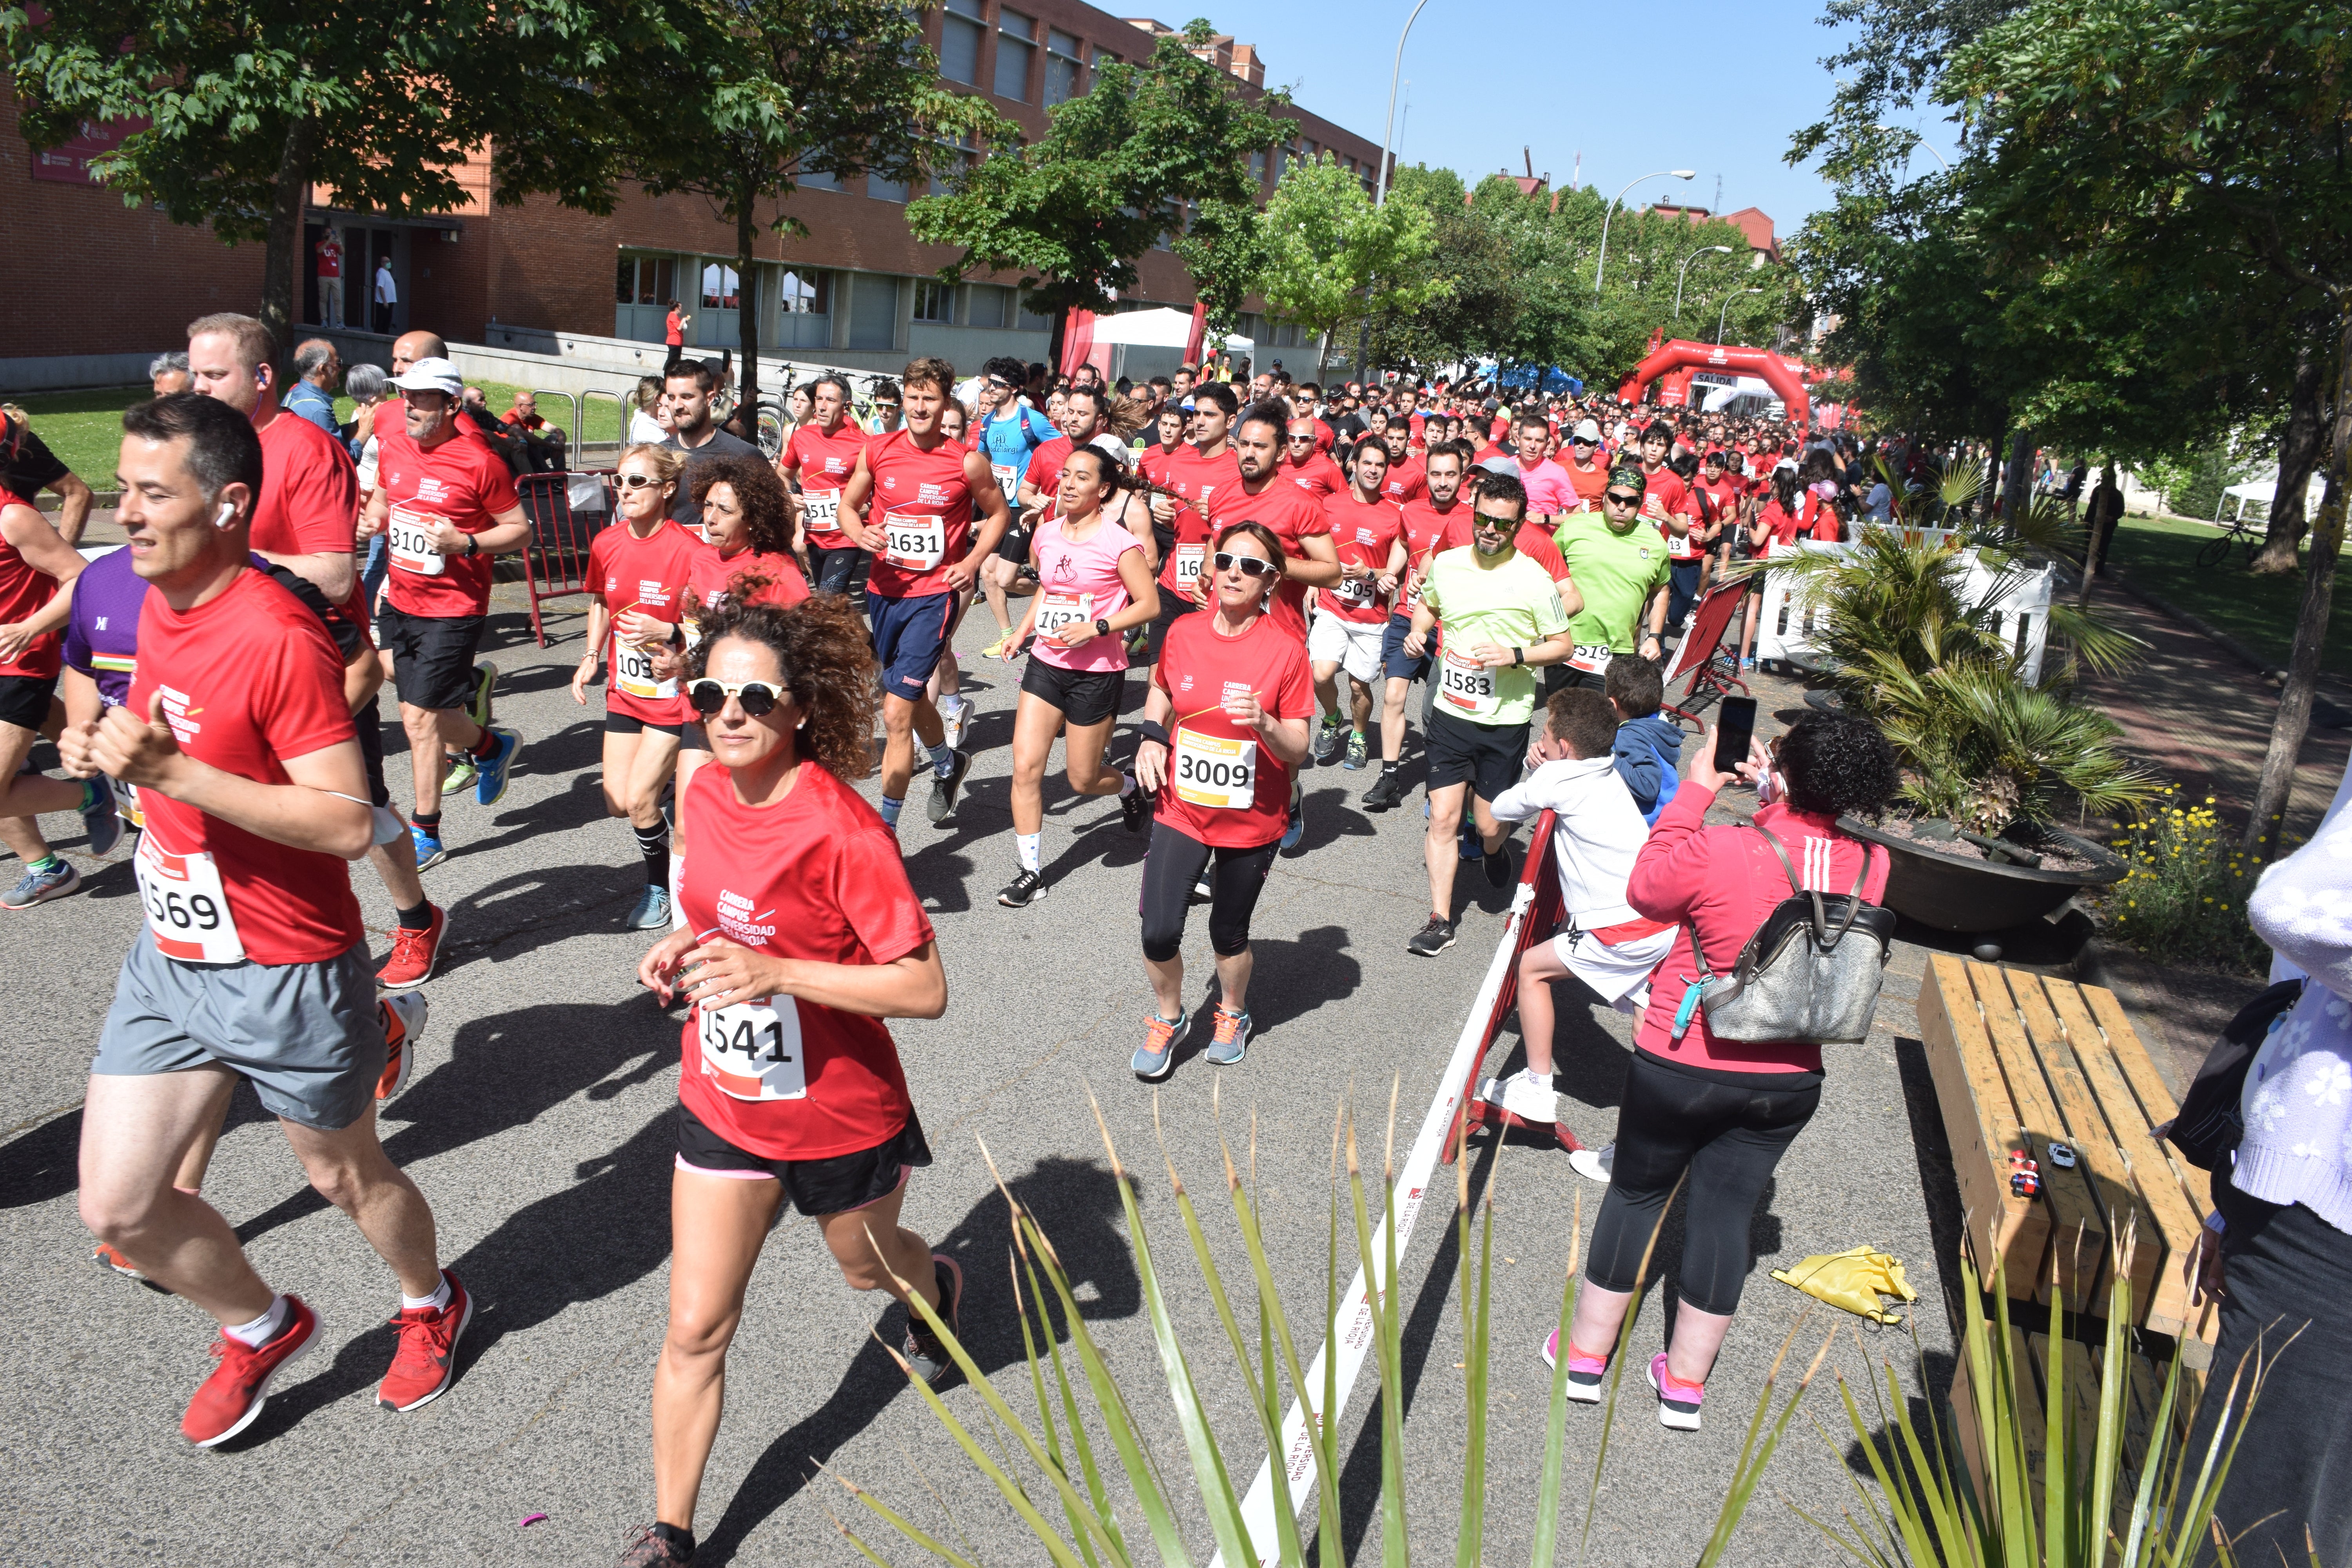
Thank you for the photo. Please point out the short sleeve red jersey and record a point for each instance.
(651, 576)
(1407, 482)
(1294, 515)
(1425, 527)
(1534, 541)
(1667, 497)
(1718, 501)
(1325, 436)
(1587, 482)
(1197, 481)
(1363, 533)
(1210, 755)
(814, 877)
(24, 589)
(1318, 476)
(921, 508)
(713, 576)
(461, 480)
(248, 678)
(1045, 473)
(823, 464)
(309, 500)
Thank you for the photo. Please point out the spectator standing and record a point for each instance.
(674, 334)
(330, 252)
(316, 369)
(649, 420)
(387, 294)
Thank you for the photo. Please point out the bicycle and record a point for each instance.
(2217, 549)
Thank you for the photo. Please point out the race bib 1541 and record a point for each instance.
(753, 1049)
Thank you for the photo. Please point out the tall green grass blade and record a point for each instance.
(1617, 1361)
(1916, 1543)
(1331, 1535)
(1879, 1521)
(1472, 1536)
(2057, 1452)
(1044, 1409)
(1378, 1283)
(1743, 1483)
(863, 1550)
(1191, 1416)
(1930, 1495)
(2114, 1379)
(1555, 1459)
(898, 1522)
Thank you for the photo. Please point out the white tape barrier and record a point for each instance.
(1355, 1341)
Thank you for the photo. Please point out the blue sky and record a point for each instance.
(1712, 85)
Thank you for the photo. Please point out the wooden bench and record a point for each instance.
(2021, 1059)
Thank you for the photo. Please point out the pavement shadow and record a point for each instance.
(1293, 978)
(1939, 1188)
(43, 1164)
(1333, 813)
(1077, 1203)
(517, 914)
(502, 1072)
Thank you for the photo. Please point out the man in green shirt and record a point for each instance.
(1622, 568)
(1503, 620)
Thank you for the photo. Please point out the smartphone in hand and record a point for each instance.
(1735, 732)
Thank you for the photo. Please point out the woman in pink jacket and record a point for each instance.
(1720, 1111)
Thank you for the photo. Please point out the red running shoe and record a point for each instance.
(427, 1357)
(404, 1015)
(414, 954)
(239, 1387)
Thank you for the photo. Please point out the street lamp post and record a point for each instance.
(1915, 141)
(1719, 315)
(1600, 260)
(1685, 271)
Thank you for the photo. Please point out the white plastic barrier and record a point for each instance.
(1789, 620)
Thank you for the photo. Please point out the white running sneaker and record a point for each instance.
(955, 718)
(1593, 1164)
(1525, 1096)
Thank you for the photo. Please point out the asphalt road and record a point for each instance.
(538, 1125)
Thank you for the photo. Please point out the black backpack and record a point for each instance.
(2208, 1126)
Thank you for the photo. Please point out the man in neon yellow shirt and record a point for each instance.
(1622, 569)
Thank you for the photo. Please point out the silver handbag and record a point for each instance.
(1799, 977)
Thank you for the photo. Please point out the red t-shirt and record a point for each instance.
(24, 589)
(1197, 481)
(1363, 534)
(460, 479)
(330, 259)
(1210, 752)
(922, 506)
(1425, 527)
(1533, 540)
(649, 575)
(672, 333)
(1667, 497)
(1488, 453)
(1406, 481)
(248, 678)
(1044, 471)
(1588, 483)
(1812, 519)
(713, 576)
(823, 464)
(814, 877)
(1718, 502)
(1318, 476)
(1325, 436)
(1294, 515)
(309, 500)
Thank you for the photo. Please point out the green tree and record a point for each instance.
(759, 95)
(2102, 127)
(1114, 173)
(1333, 259)
(251, 102)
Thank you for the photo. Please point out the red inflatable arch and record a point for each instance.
(1678, 358)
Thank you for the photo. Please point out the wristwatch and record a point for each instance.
(473, 546)
(1102, 627)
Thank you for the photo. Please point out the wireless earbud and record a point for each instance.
(226, 515)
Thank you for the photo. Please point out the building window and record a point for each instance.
(1017, 41)
(873, 312)
(883, 190)
(950, 159)
(934, 301)
(721, 289)
(1065, 67)
(807, 293)
(962, 24)
(1258, 167)
(810, 180)
(646, 280)
(1029, 321)
(988, 306)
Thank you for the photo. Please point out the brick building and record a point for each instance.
(96, 287)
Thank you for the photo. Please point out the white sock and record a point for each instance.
(256, 1334)
(438, 1299)
(1541, 1080)
(954, 700)
(1026, 844)
(1127, 785)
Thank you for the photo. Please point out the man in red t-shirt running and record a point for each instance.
(1424, 525)
(1307, 464)
(238, 741)
(820, 457)
(1367, 534)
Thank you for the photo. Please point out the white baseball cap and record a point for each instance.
(1588, 430)
(431, 375)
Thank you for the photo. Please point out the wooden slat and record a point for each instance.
(1981, 1126)
(2167, 1309)
(2030, 1376)
(2155, 1101)
(2078, 1227)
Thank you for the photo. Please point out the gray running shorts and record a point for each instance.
(308, 1034)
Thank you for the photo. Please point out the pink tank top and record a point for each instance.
(1079, 582)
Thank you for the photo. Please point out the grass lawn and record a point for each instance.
(85, 428)
(2160, 555)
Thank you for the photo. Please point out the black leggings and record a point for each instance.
(1173, 864)
(1728, 1131)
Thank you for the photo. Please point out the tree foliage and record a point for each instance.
(1332, 258)
(1113, 174)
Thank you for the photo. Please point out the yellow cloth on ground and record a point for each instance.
(1853, 1279)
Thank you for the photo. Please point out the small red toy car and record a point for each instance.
(2024, 1175)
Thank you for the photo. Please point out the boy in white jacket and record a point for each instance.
(1597, 832)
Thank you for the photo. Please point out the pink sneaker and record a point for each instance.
(1677, 1402)
(1584, 1372)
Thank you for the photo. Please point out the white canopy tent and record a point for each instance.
(1160, 329)
(2267, 491)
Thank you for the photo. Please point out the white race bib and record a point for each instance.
(1190, 559)
(1007, 478)
(915, 541)
(822, 510)
(187, 909)
(126, 802)
(410, 546)
(1466, 686)
(1056, 610)
(753, 1049)
(1591, 656)
(1412, 593)
(633, 673)
(1354, 591)
(1214, 772)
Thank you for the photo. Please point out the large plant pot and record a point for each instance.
(1952, 894)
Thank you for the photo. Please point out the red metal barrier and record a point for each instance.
(1699, 653)
(1542, 915)
(565, 512)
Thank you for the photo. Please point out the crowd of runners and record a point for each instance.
(1214, 583)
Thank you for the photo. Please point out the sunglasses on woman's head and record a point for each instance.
(708, 697)
(1251, 566)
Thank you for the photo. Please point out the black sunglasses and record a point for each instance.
(1226, 561)
(1621, 498)
(708, 697)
